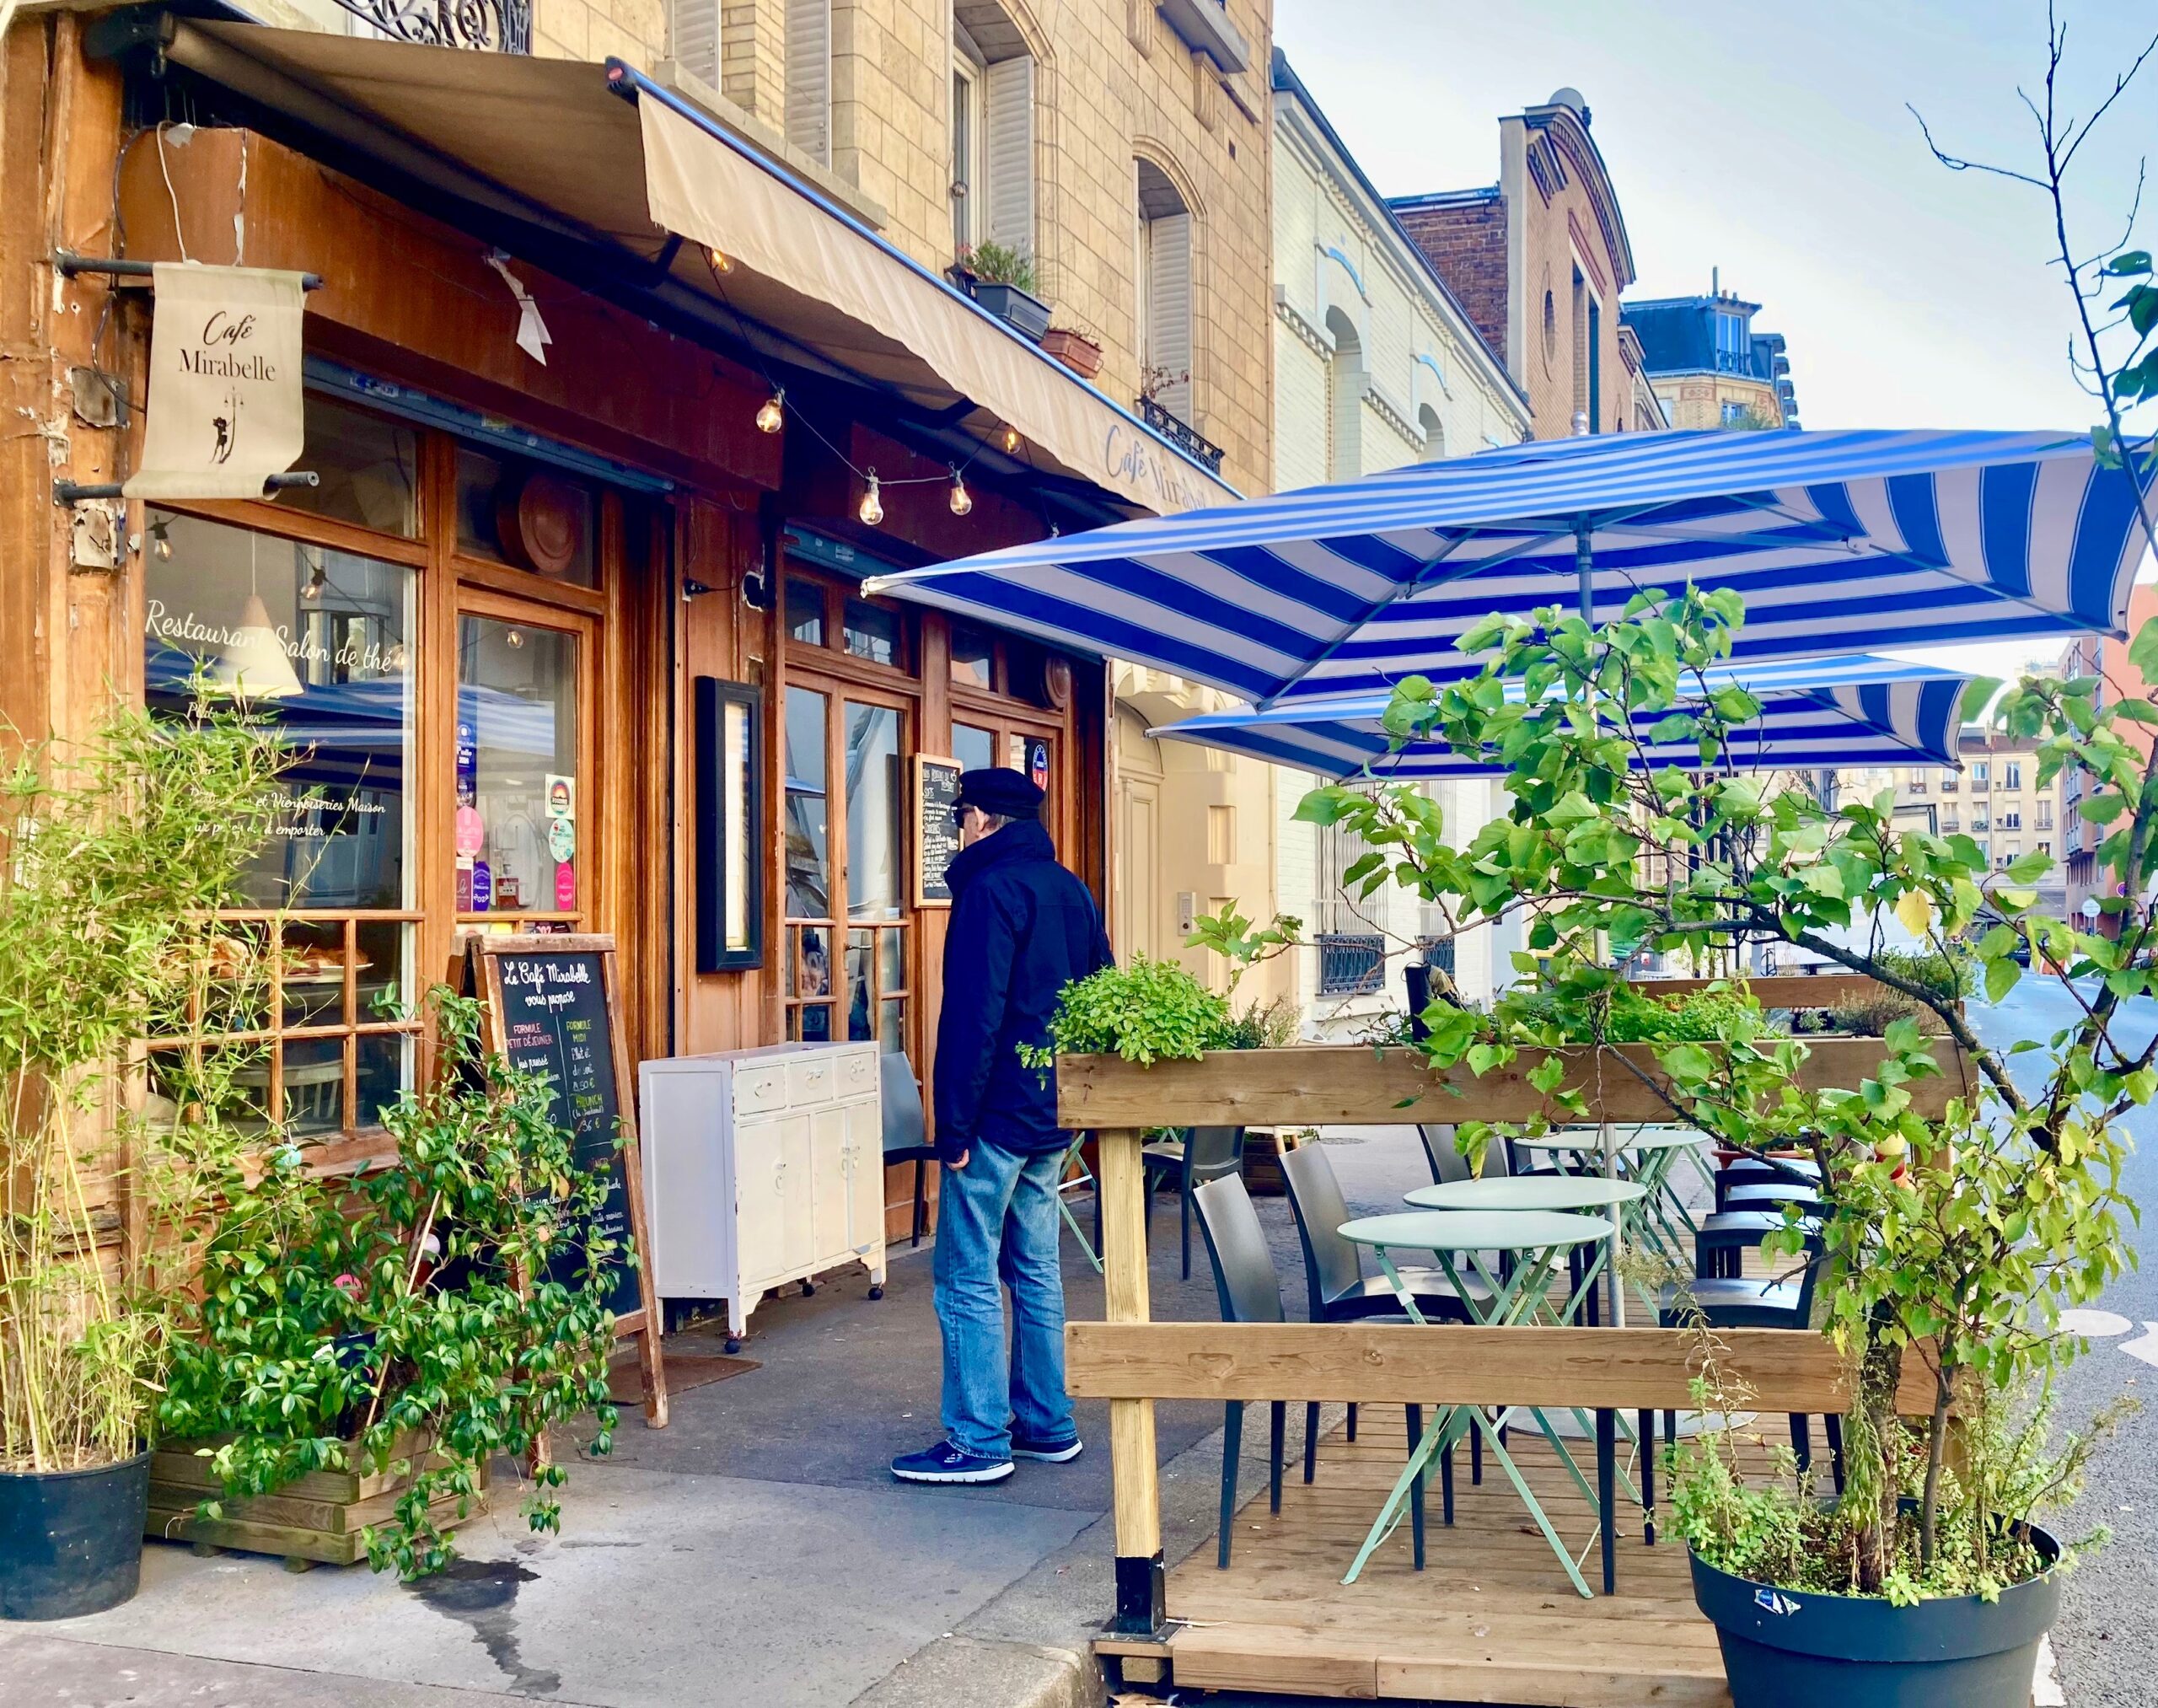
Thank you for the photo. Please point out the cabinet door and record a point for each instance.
(829, 1166)
(797, 1188)
(760, 1170)
(865, 1136)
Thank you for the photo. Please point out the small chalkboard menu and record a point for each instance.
(935, 837)
(553, 1008)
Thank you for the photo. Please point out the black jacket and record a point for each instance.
(1022, 928)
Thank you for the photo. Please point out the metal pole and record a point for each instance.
(1585, 570)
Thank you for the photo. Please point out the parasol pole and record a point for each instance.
(1584, 573)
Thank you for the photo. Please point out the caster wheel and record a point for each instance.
(733, 1344)
(808, 1289)
(877, 1291)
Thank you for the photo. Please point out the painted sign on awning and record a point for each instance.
(224, 412)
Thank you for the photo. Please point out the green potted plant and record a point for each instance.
(395, 1332)
(114, 857)
(1002, 280)
(1951, 1241)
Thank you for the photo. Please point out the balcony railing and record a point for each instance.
(499, 26)
(1351, 964)
(1181, 433)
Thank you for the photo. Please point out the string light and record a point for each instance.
(1012, 440)
(872, 507)
(318, 578)
(718, 261)
(160, 539)
(772, 416)
(962, 500)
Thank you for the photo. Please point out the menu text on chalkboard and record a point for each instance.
(936, 836)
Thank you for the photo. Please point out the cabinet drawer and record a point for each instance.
(812, 1080)
(759, 1087)
(858, 1073)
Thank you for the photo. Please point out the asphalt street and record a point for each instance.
(2107, 1644)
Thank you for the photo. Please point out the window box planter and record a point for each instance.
(316, 1518)
(1074, 350)
(1025, 313)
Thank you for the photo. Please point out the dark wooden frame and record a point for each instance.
(714, 855)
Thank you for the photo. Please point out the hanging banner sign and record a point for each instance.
(224, 412)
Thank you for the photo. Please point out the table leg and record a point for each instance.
(1605, 1506)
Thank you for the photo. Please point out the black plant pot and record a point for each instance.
(1027, 314)
(71, 1542)
(1786, 1648)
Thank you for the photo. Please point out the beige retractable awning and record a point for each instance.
(613, 181)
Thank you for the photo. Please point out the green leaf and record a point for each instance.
(2143, 650)
(1976, 697)
(2002, 978)
(2103, 810)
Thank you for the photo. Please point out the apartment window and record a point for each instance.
(2010, 853)
(1981, 775)
(1351, 955)
(2045, 847)
(1346, 382)
(992, 131)
(1434, 433)
(1164, 261)
(1918, 782)
(2011, 774)
(2012, 819)
(809, 78)
(1951, 824)
(1948, 783)
(2045, 815)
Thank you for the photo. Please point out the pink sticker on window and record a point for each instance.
(565, 887)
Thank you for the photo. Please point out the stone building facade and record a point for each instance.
(2105, 658)
(1708, 364)
(1540, 259)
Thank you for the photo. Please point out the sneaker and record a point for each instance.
(1050, 1452)
(946, 1463)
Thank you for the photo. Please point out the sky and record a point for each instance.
(1771, 142)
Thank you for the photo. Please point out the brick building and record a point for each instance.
(1540, 260)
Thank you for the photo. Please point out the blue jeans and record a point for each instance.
(997, 1220)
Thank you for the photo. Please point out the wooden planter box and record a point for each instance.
(1074, 350)
(316, 1518)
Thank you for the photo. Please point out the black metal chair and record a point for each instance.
(1762, 1171)
(906, 1129)
(1202, 1154)
(1339, 1291)
(1723, 1238)
(1249, 1287)
(1772, 1196)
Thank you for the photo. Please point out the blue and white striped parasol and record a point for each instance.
(1836, 540)
(1856, 710)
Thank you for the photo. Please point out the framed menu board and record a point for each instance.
(935, 837)
(554, 1007)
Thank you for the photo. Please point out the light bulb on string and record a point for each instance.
(161, 540)
(962, 500)
(772, 416)
(1012, 440)
(318, 579)
(872, 505)
(718, 261)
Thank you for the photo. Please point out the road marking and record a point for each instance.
(2045, 1685)
(2146, 1349)
(2097, 1325)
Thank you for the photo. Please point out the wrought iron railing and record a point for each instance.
(499, 26)
(1351, 964)
(1181, 433)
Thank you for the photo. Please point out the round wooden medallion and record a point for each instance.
(1056, 681)
(541, 522)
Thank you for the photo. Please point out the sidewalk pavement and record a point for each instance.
(755, 1554)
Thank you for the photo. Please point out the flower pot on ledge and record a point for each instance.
(1074, 350)
(1021, 310)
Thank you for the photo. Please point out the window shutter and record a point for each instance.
(1168, 308)
(696, 38)
(809, 78)
(1011, 156)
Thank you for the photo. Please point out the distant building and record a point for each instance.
(1708, 366)
(1540, 260)
(2105, 658)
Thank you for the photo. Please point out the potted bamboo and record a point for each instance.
(114, 858)
(1956, 1227)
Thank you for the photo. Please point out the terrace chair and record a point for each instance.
(1339, 1291)
(1745, 1301)
(1440, 1150)
(1722, 1238)
(1760, 1171)
(1200, 1155)
(906, 1131)
(1250, 1291)
(1772, 1196)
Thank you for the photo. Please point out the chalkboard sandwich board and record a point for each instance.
(554, 1007)
(935, 837)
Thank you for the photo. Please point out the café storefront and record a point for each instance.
(569, 634)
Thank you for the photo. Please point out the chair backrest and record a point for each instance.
(1210, 1152)
(905, 1129)
(1244, 1275)
(1443, 1154)
(1332, 1265)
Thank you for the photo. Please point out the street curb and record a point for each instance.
(956, 1669)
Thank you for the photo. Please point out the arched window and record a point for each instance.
(1164, 306)
(1345, 389)
(992, 130)
(1434, 433)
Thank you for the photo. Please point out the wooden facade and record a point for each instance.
(692, 550)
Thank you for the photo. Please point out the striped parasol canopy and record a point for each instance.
(1835, 540)
(1855, 710)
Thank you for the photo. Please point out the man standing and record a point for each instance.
(1022, 928)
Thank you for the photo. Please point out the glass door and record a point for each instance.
(522, 820)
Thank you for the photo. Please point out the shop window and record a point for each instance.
(519, 792)
(974, 658)
(974, 748)
(315, 642)
(876, 796)
(808, 977)
(367, 467)
(528, 515)
(805, 610)
(873, 632)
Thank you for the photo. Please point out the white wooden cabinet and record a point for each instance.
(761, 1167)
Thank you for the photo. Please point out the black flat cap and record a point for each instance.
(1005, 793)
